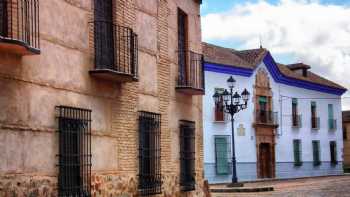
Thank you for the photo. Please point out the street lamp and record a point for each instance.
(233, 103)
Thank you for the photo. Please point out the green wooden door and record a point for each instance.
(221, 153)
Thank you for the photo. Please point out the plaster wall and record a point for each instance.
(285, 133)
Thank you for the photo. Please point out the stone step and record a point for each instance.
(241, 189)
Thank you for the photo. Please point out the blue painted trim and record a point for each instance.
(219, 68)
(280, 78)
(276, 75)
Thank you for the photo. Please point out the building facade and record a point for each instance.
(292, 125)
(346, 138)
(101, 98)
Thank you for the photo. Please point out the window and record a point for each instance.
(3, 18)
(74, 126)
(104, 40)
(222, 154)
(219, 111)
(331, 121)
(297, 152)
(182, 46)
(333, 151)
(187, 155)
(149, 154)
(295, 117)
(316, 152)
(314, 119)
(345, 134)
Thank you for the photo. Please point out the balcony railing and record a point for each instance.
(266, 117)
(296, 121)
(191, 73)
(115, 51)
(19, 26)
(315, 123)
(332, 124)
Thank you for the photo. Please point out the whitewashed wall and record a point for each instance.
(245, 145)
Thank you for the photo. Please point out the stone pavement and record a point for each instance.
(335, 186)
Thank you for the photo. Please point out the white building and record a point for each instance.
(292, 126)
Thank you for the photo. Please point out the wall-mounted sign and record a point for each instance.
(241, 130)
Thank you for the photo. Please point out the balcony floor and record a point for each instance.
(190, 90)
(112, 75)
(17, 47)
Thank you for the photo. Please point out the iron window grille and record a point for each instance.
(19, 23)
(74, 127)
(191, 64)
(266, 117)
(150, 182)
(315, 123)
(296, 121)
(187, 155)
(115, 46)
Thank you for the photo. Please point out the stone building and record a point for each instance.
(292, 124)
(101, 98)
(346, 138)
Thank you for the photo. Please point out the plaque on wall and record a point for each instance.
(241, 130)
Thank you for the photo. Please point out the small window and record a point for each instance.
(295, 117)
(316, 152)
(187, 155)
(219, 108)
(331, 120)
(297, 152)
(314, 118)
(74, 126)
(222, 154)
(150, 181)
(333, 151)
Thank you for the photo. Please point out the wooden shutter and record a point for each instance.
(104, 39)
(297, 152)
(221, 155)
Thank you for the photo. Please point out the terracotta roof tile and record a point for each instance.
(252, 58)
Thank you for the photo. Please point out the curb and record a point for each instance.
(241, 190)
(287, 179)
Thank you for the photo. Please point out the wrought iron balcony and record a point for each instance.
(332, 124)
(315, 123)
(19, 27)
(116, 52)
(191, 73)
(266, 118)
(296, 121)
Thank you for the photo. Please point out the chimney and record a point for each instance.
(299, 68)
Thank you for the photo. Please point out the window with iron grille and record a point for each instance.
(219, 108)
(149, 154)
(187, 155)
(297, 152)
(74, 127)
(333, 151)
(316, 152)
(182, 45)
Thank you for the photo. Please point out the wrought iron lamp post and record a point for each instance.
(233, 103)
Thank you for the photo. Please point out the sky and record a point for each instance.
(315, 32)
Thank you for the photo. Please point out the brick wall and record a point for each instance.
(33, 85)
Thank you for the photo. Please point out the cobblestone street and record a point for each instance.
(310, 187)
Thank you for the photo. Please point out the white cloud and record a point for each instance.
(313, 33)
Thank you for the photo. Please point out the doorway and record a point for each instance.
(265, 160)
